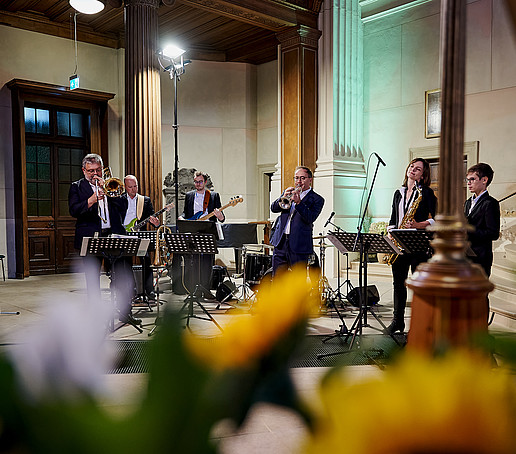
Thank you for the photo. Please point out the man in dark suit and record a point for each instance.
(140, 207)
(99, 215)
(483, 212)
(292, 237)
(198, 203)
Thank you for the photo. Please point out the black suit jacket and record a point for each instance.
(301, 224)
(213, 203)
(88, 221)
(425, 210)
(485, 217)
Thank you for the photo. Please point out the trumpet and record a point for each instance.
(285, 201)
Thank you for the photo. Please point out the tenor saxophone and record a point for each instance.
(408, 217)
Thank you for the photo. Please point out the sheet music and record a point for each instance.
(84, 246)
(142, 250)
(219, 231)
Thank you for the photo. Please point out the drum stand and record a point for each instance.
(343, 330)
(157, 321)
(245, 287)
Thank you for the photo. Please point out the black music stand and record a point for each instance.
(413, 241)
(190, 244)
(367, 243)
(112, 249)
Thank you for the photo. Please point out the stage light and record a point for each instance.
(172, 51)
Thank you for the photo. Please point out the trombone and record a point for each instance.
(112, 187)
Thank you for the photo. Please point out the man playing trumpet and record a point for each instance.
(299, 206)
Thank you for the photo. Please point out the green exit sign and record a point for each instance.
(74, 82)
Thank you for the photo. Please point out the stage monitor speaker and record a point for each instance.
(224, 290)
(372, 296)
(138, 278)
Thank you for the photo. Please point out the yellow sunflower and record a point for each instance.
(456, 404)
(279, 307)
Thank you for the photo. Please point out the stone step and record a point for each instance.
(503, 268)
(373, 269)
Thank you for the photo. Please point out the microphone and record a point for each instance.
(379, 159)
(329, 219)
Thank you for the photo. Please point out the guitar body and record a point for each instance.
(129, 227)
(195, 216)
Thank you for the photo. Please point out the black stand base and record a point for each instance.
(196, 297)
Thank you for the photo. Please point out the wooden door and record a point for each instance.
(56, 141)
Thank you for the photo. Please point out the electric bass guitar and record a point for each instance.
(199, 217)
(134, 227)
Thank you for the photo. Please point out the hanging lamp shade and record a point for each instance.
(87, 6)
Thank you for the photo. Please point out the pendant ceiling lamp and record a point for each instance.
(87, 6)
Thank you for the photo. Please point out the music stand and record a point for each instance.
(190, 244)
(368, 243)
(112, 249)
(413, 241)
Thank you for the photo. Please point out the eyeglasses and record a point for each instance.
(198, 181)
(301, 178)
(92, 171)
(470, 180)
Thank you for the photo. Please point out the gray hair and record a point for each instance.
(92, 158)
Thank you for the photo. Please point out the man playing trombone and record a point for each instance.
(299, 206)
(99, 215)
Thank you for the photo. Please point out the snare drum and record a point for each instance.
(255, 267)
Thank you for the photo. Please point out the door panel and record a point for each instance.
(41, 246)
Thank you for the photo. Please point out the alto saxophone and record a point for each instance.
(408, 217)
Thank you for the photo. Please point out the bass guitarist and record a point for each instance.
(198, 203)
(140, 207)
(201, 201)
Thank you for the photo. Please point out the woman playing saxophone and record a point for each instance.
(413, 207)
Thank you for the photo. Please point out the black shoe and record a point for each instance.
(129, 320)
(396, 325)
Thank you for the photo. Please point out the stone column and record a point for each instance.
(340, 172)
(142, 98)
(449, 303)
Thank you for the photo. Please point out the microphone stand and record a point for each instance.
(362, 271)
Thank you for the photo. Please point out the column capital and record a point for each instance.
(299, 35)
(151, 3)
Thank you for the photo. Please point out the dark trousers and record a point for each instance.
(122, 283)
(283, 257)
(400, 269)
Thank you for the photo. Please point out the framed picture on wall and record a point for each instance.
(432, 113)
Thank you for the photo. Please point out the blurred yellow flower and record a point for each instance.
(455, 404)
(279, 307)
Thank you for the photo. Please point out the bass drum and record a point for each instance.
(256, 266)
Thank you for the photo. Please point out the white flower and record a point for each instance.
(65, 355)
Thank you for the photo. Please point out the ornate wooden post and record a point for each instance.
(142, 98)
(449, 303)
(298, 73)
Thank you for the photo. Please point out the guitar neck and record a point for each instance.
(142, 223)
(209, 215)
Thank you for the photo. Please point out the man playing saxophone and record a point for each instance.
(413, 207)
(299, 207)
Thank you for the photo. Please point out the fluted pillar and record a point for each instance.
(143, 100)
(449, 304)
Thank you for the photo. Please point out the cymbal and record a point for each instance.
(319, 237)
